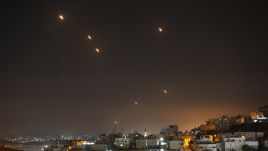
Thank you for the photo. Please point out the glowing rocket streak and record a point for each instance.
(160, 29)
(97, 50)
(89, 37)
(61, 17)
(165, 91)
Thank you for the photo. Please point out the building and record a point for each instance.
(170, 131)
(100, 147)
(254, 144)
(223, 123)
(205, 143)
(144, 143)
(264, 110)
(175, 145)
(257, 116)
(141, 143)
(206, 138)
(79, 143)
(133, 137)
(195, 131)
(220, 124)
(266, 144)
(122, 143)
(187, 139)
(205, 146)
(108, 138)
(238, 120)
(207, 127)
(104, 139)
(230, 143)
(250, 136)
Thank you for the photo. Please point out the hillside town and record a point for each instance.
(235, 133)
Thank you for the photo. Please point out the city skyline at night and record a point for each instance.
(78, 66)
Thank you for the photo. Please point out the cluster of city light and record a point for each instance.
(26, 139)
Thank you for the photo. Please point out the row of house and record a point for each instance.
(225, 123)
(141, 143)
(226, 143)
(172, 139)
(216, 135)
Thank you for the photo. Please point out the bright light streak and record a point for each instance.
(89, 37)
(88, 143)
(61, 17)
(165, 91)
(163, 143)
(135, 102)
(97, 50)
(160, 29)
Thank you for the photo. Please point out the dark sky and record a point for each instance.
(211, 58)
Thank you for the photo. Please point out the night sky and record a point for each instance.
(211, 58)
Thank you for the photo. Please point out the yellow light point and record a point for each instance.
(89, 37)
(97, 50)
(160, 29)
(61, 17)
(186, 142)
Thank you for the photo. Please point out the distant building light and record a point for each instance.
(88, 143)
(163, 143)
